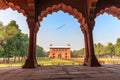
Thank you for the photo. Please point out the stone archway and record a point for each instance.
(90, 59)
(66, 9)
(35, 10)
(113, 10)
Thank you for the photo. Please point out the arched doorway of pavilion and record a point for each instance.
(51, 32)
(59, 56)
(13, 36)
(107, 35)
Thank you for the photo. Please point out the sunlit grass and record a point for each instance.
(109, 60)
(11, 64)
(44, 62)
(60, 62)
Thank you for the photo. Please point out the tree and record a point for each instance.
(1, 38)
(99, 49)
(117, 47)
(110, 49)
(11, 30)
(24, 46)
(40, 52)
(74, 53)
(2, 34)
(82, 51)
(12, 39)
(16, 43)
(78, 53)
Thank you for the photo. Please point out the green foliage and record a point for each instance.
(99, 49)
(2, 34)
(40, 52)
(78, 53)
(117, 47)
(11, 30)
(110, 50)
(14, 44)
(24, 45)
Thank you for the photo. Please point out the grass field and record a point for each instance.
(44, 62)
(11, 64)
(60, 62)
(109, 60)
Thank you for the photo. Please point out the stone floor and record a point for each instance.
(106, 72)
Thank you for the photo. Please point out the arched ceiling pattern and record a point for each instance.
(4, 5)
(113, 10)
(97, 7)
(84, 11)
(109, 6)
(65, 8)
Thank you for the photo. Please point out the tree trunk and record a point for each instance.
(14, 59)
(8, 60)
(19, 59)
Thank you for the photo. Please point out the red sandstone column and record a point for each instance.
(31, 60)
(86, 48)
(92, 60)
(35, 39)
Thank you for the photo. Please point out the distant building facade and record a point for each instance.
(61, 52)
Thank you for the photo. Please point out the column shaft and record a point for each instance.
(31, 61)
(86, 48)
(92, 60)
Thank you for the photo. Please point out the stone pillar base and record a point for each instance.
(92, 62)
(30, 63)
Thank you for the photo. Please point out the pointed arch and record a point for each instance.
(64, 8)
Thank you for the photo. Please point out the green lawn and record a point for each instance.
(11, 64)
(44, 62)
(60, 62)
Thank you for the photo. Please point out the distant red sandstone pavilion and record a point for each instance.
(60, 52)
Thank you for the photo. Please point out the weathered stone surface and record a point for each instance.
(107, 72)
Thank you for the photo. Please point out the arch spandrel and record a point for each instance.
(67, 9)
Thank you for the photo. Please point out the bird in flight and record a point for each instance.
(60, 27)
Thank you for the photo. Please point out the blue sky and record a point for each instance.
(107, 29)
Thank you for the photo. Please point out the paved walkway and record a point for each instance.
(106, 72)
